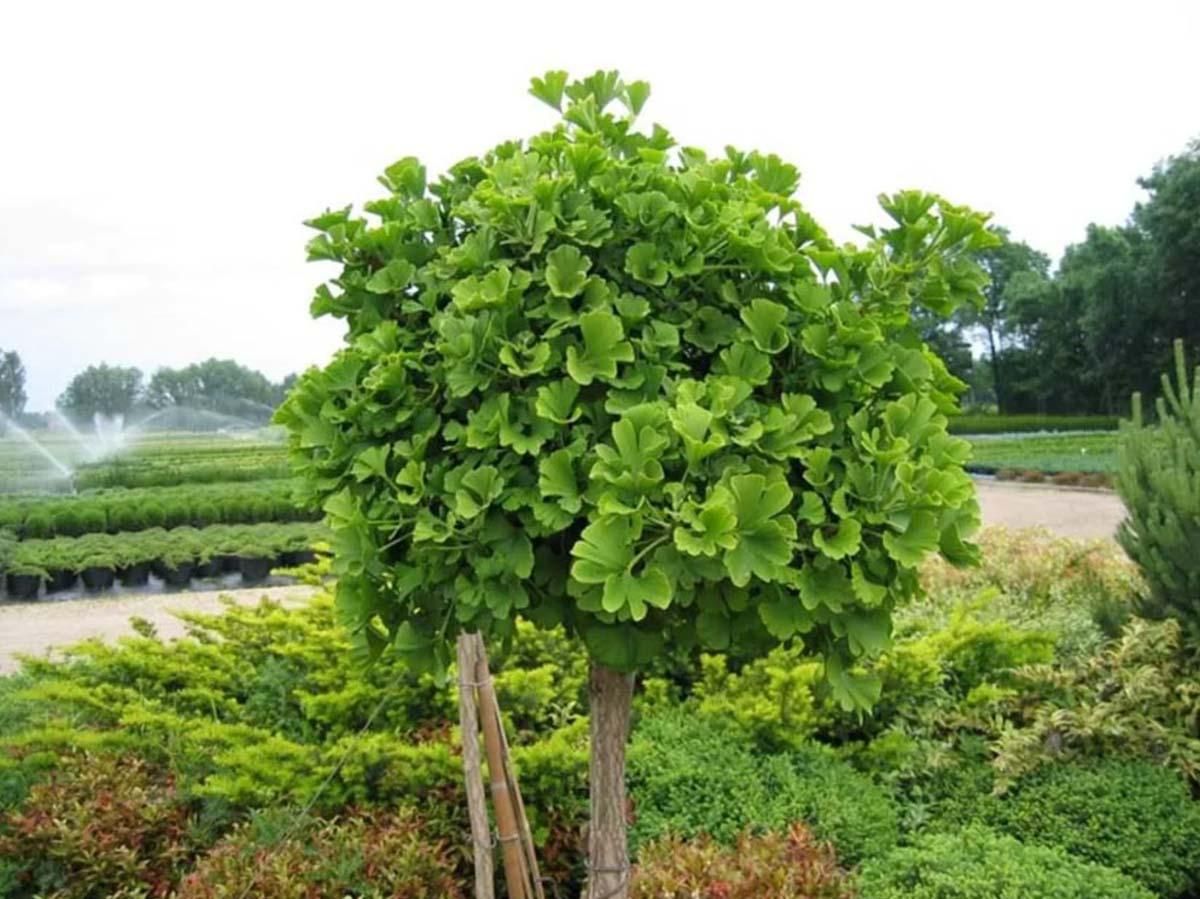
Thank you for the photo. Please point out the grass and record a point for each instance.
(1092, 452)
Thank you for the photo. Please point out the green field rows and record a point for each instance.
(174, 507)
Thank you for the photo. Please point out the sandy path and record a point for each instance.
(1065, 511)
(31, 628)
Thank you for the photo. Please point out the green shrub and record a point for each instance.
(1159, 481)
(126, 517)
(976, 863)
(691, 776)
(153, 515)
(1132, 816)
(39, 524)
(371, 856)
(91, 520)
(759, 866)
(1016, 424)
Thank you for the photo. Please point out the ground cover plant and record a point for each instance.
(1015, 705)
(601, 381)
(1047, 453)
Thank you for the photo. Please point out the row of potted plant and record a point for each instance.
(99, 561)
(136, 509)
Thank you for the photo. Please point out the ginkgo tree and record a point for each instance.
(600, 380)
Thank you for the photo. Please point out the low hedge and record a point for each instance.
(976, 863)
(690, 775)
(1132, 816)
(1021, 424)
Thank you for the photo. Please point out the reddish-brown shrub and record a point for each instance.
(370, 856)
(102, 826)
(764, 866)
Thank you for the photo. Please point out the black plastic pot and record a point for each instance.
(297, 557)
(255, 568)
(228, 563)
(97, 577)
(211, 568)
(61, 579)
(23, 586)
(176, 575)
(136, 575)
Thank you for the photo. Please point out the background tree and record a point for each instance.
(601, 381)
(1002, 263)
(216, 385)
(1170, 221)
(12, 384)
(104, 389)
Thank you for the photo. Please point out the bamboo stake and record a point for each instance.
(493, 740)
(481, 834)
(533, 873)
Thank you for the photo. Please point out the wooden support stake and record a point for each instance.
(481, 832)
(493, 741)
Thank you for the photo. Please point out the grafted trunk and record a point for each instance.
(611, 700)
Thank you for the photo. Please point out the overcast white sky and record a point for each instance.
(156, 159)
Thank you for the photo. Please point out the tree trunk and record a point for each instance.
(610, 695)
(998, 385)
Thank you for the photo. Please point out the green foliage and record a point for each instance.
(690, 777)
(779, 866)
(754, 423)
(1093, 452)
(174, 547)
(978, 864)
(975, 423)
(102, 825)
(1131, 816)
(373, 856)
(101, 390)
(1159, 482)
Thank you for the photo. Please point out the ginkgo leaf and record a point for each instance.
(839, 542)
(556, 478)
(477, 490)
(710, 528)
(603, 347)
(566, 271)
(764, 319)
(917, 540)
(784, 615)
(636, 591)
(549, 88)
(765, 539)
(853, 691)
(604, 548)
(644, 263)
(392, 278)
(556, 402)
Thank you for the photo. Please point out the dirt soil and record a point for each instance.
(32, 628)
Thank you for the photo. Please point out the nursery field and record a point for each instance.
(169, 511)
(1069, 453)
(1030, 729)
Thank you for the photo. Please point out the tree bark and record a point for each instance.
(611, 701)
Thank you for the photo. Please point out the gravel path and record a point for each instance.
(31, 628)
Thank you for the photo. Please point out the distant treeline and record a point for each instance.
(1082, 338)
(203, 392)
